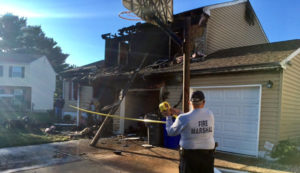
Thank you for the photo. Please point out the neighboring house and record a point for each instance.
(27, 82)
(77, 90)
(250, 84)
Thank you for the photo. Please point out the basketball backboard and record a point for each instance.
(146, 9)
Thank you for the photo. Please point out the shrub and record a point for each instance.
(286, 151)
(37, 119)
(67, 118)
(42, 117)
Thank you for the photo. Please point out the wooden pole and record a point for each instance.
(186, 63)
(115, 108)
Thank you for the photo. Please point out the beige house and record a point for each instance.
(253, 92)
(27, 82)
(250, 84)
(213, 28)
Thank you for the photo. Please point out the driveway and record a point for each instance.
(78, 156)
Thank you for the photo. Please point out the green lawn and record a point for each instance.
(10, 137)
(18, 137)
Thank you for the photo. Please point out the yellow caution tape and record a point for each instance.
(119, 117)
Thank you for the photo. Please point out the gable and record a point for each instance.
(44, 62)
(228, 28)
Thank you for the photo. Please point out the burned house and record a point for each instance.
(246, 80)
(77, 89)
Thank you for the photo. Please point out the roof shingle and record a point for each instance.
(18, 58)
(256, 55)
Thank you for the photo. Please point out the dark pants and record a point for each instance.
(196, 161)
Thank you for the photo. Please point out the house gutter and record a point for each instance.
(227, 70)
(207, 9)
(252, 67)
(287, 60)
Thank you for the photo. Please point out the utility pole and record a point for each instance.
(186, 63)
(115, 108)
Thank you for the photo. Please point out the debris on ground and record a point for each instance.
(118, 152)
(51, 130)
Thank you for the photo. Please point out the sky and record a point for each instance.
(77, 25)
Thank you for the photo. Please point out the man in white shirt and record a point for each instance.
(197, 136)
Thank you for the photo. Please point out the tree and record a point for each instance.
(18, 37)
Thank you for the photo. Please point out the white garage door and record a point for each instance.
(236, 111)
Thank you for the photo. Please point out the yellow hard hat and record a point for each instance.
(164, 106)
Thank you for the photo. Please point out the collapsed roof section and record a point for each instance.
(83, 73)
(267, 56)
(123, 51)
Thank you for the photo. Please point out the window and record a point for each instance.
(16, 71)
(1, 70)
(18, 96)
(2, 91)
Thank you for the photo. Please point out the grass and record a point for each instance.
(18, 137)
(10, 137)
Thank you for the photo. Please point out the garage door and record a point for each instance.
(236, 111)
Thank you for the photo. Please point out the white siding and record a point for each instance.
(5, 80)
(42, 81)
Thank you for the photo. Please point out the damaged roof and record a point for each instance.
(266, 56)
(83, 72)
(255, 57)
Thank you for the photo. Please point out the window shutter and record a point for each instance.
(23, 72)
(10, 71)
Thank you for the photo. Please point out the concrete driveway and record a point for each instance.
(78, 156)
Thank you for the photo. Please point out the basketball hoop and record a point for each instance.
(156, 12)
(128, 15)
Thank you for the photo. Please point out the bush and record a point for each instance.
(38, 119)
(286, 151)
(42, 117)
(67, 118)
